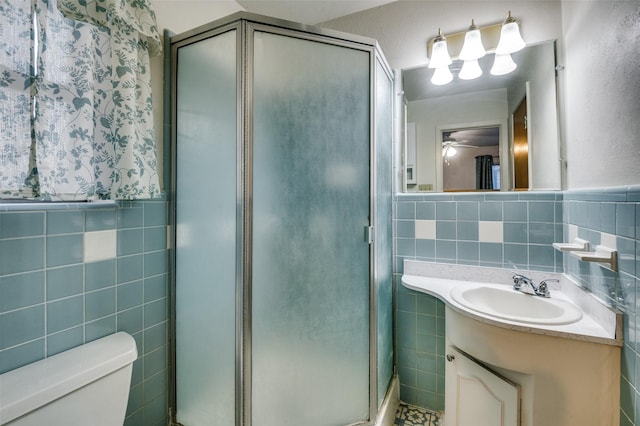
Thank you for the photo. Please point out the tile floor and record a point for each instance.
(409, 415)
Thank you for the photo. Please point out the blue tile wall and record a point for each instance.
(51, 301)
(530, 222)
(616, 212)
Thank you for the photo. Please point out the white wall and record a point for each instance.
(602, 92)
(403, 28)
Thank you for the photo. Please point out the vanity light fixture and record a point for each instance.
(502, 64)
(442, 76)
(503, 39)
(439, 52)
(470, 70)
(472, 47)
(510, 39)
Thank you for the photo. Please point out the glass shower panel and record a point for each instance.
(310, 317)
(206, 231)
(383, 191)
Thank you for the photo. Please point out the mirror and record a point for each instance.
(515, 115)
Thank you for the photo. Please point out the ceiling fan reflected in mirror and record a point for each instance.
(450, 144)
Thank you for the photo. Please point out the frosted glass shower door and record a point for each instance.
(206, 170)
(310, 273)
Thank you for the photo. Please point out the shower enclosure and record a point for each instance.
(281, 195)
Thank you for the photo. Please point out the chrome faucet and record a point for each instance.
(539, 290)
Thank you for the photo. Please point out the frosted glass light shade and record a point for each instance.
(470, 70)
(441, 76)
(451, 151)
(440, 55)
(510, 39)
(503, 64)
(472, 48)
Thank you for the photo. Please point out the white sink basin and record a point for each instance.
(504, 302)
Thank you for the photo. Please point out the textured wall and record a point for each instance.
(602, 92)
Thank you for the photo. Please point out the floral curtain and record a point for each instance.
(79, 120)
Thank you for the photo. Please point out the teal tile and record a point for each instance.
(130, 268)
(608, 218)
(65, 281)
(541, 255)
(22, 290)
(406, 301)
(155, 287)
(130, 320)
(626, 220)
(426, 343)
(65, 313)
(427, 324)
(491, 252)
(446, 249)
(21, 326)
(445, 230)
(155, 362)
(21, 355)
(100, 274)
(405, 229)
(626, 255)
(425, 248)
(407, 357)
(490, 211)
(516, 255)
(155, 238)
(23, 224)
(515, 232)
(515, 211)
(135, 403)
(155, 312)
(406, 329)
(155, 337)
(467, 210)
(542, 233)
(65, 340)
(467, 231)
(129, 295)
(130, 217)
(468, 250)
(155, 213)
(542, 211)
(64, 250)
(407, 376)
(153, 388)
(406, 247)
(427, 304)
(99, 304)
(406, 210)
(100, 220)
(426, 210)
(130, 241)
(594, 216)
(21, 255)
(427, 381)
(65, 222)
(446, 210)
(100, 328)
(156, 263)
(428, 362)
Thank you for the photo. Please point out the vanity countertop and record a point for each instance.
(599, 323)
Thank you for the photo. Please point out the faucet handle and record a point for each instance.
(543, 288)
(518, 280)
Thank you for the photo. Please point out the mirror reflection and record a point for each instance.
(509, 121)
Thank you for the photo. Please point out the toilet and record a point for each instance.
(86, 385)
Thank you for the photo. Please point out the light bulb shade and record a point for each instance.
(451, 151)
(510, 39)
(470, 70)
(503, 64)
(472, 48)
(440, 55)
(441, 76)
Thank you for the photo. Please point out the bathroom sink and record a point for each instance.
(501, 301)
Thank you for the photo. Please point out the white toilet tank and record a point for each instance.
(87, 385)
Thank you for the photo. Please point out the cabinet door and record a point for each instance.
(477, 396)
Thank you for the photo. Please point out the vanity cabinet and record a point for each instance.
(476, 395)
